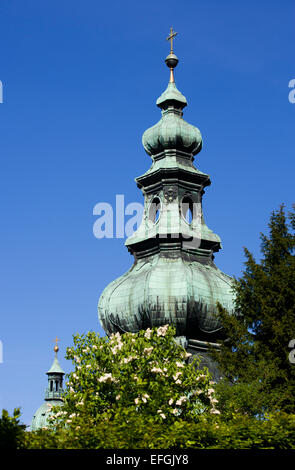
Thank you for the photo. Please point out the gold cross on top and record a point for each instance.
(56, 348)
(171, 37)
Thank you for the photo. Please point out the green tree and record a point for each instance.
(11, 430)
(258, 376)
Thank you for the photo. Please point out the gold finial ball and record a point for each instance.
(56, 348)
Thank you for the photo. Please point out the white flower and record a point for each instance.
(146, 395)
(175, 411)
(148, 351)
(187, 355)
(210, 391)
(129, 359)
(201, 376)
(107, 378)
(215, 412)
(88, 366)
(94, 347)
(179, 364)
(175, 376)
(170, 402)
(136, 401)
(80, 403)
(157, 369)
(118, 397)
(161, 414)
(181, 400)
(162, 330)
(148, 333)
(178, 381)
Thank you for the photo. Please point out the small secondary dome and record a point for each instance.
(53, 394)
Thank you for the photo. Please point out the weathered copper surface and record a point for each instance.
(173, 279)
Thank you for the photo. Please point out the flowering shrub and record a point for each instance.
(146, 373)
(138, 391)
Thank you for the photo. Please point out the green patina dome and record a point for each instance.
(172, 131)
(53, 395)
(41, 417)
(163, 289)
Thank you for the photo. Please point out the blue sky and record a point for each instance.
(80, 80)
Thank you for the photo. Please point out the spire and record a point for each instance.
(171, 95)
(55, 377)
(53, 393)
(171, 60)
(172, 132)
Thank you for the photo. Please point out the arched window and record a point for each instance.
(154, 210)
(187, 209)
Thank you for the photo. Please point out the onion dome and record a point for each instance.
(167, 288)
(53, 395)
(172, 131)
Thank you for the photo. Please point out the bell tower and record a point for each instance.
(174, 278)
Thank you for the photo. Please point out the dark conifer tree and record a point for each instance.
(258, 376)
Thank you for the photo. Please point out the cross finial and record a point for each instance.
(171, 37)
(56, 348)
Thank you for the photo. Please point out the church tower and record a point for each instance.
(174, 278)
(53, 394)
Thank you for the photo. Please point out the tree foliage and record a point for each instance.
(255, 356)
(11, 430)
(207, 432)
(145, 374)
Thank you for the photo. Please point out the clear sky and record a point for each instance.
(80, 81)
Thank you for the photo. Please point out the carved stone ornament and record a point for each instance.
(170, 193)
